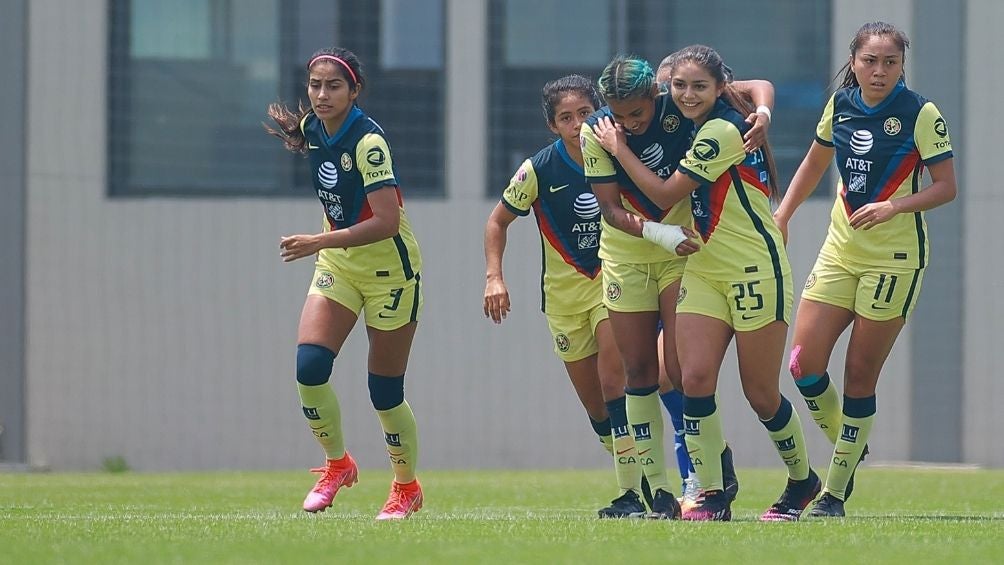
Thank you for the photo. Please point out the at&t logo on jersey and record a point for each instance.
(587, 208)
(861, 143)
(652, 156)
(327, 174)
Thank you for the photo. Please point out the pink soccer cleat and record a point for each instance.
(403, 501)
(337, 473)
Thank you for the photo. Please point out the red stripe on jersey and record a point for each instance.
(547, 229)
(751, 177)
(902, 172)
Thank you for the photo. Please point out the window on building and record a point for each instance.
(784, 41)
(190, 80)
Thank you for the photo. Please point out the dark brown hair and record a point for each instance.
(864, 32)
(348, 66)
(711, 61)
(554, 90)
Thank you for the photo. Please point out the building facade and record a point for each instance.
(147, 315)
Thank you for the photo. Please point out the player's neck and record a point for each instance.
(574, 151)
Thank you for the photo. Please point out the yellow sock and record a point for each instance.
(324, 416)
(401, 435)
(625, 452)
(824, 403)
(644, 412)
(859, 414)
(705, 440)
(785, 429)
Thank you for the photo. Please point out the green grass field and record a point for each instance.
(896, 515)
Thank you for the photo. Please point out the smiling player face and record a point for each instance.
(694, 90)
(634, 114)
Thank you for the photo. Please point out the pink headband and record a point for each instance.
(333, 58)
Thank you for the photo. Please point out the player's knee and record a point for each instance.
(793, 366)
(313, 364)
(386, 392)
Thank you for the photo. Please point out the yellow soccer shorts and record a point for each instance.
(385, 306)
(575, 335)
(635, 287)
(877, 293)
(744, 305)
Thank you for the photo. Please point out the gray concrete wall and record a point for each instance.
(163, 330)
(983, 205)
(12, 227)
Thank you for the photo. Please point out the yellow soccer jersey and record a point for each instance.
(568, 217)
(347, 166)
(731, 207)
(881, 152)
(661, 147)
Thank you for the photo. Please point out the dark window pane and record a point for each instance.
(190, 80)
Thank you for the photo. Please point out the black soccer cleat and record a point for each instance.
(715, 506)
(627, 505)
(729, 478)
(796, 496)
(828, 506)
(664, 506)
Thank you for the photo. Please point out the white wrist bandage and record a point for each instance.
(666, 236)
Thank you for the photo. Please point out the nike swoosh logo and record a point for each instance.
(875, 306)
(625, 451)
(644, 452)
(557, 188)
(380, 315)
(689, 451)
(838, 452)
(787, 457)
(389, 452)
(842, 119)
(312, 146)
(745, 317)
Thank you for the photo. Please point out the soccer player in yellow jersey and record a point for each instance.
(738, 285)
(367, 262)
(641, 280)
(871, 265)
(551, 183)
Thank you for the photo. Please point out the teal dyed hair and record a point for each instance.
(626, 77)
